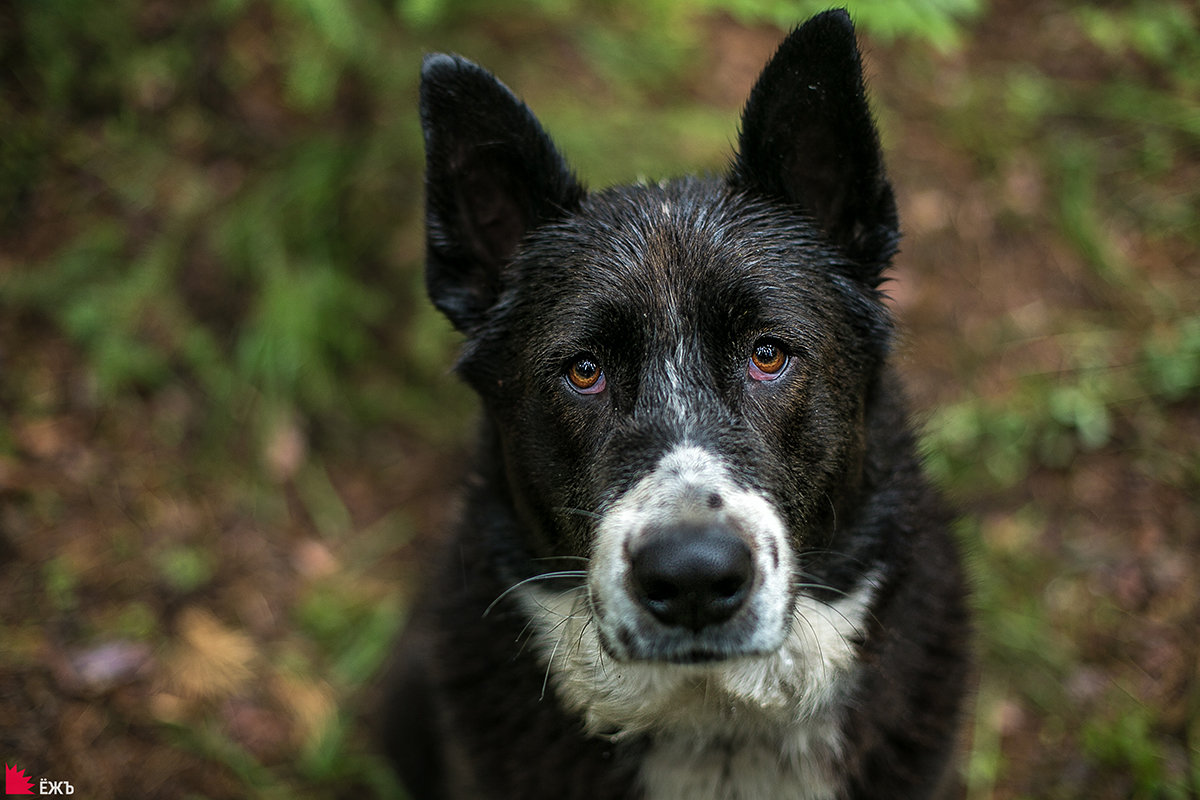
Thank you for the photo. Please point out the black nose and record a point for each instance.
(692, 576)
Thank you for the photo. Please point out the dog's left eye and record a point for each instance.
(767, 360)
(585, 375)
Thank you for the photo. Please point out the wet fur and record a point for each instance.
(528, 669)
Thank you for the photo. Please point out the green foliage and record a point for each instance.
(234, 231)
(1114, 142)
(1048, 419)
(61, 580)
(353, 628)
(1163, 33)
(1106, 148)
(186, 569)
(1171, 359)
(1126, 740)
(230, 178)
(937, 22)
(135, 620)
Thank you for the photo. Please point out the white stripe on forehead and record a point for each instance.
(682, 475)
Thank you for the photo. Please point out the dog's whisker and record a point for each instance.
(547, 611)
(820, 587)
(575, 614)
(579, 639)
(816, 641)
(552, 612)
(833, 508)
(579, 512)
(526, 635)
(600, 665)
(824, 587)
(584, 559)
(549, 667)
(855, 627)
(561, 629)
(545, 576)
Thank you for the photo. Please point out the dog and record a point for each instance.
(697, 556)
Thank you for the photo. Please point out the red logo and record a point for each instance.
(16, 781)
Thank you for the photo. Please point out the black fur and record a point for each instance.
(687, 274)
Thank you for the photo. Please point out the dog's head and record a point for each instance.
(676, 375)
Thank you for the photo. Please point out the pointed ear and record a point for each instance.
(808, 139)
(491, 173)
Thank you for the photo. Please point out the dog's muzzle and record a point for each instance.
(690, 567)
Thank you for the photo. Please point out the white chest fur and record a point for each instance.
(798, 764)
(751, 728)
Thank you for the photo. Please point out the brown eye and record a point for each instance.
(585, 375)
(767, 360)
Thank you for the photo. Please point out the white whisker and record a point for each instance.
(546, 576)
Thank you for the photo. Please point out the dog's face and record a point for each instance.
(676, 377)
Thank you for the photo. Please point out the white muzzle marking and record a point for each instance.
(784, 664)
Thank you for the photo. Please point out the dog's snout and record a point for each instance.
(692, 576)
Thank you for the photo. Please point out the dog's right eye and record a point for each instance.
(768, 360)
(585, 375)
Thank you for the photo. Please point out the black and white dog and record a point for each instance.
(698, 558)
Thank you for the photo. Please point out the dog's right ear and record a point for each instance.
(491, 174)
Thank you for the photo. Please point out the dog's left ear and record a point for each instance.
(491, 174)
(808, 139)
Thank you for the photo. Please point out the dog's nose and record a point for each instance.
(692, 576)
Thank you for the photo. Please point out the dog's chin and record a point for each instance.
(672, 646)
(629, 674)
(697, 655)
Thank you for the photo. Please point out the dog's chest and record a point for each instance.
(796, 765)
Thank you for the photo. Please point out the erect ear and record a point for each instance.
(491, 173)
(808, 139)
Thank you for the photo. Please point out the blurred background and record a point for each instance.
(229, 432)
